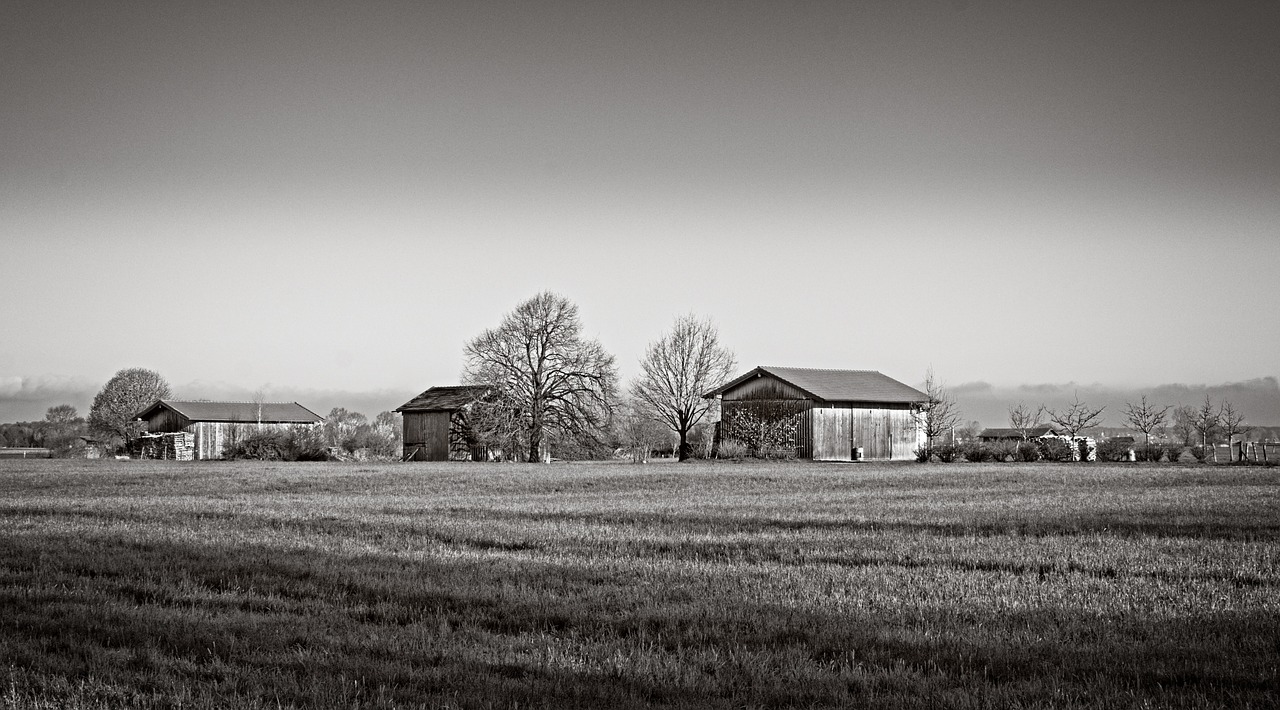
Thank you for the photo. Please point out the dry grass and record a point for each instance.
(154, 584)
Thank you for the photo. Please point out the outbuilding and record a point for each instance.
(215, 424)
(436, 427)
(824, 415)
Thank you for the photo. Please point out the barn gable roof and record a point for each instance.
(246, 412)
(445, 399)
(835, 385)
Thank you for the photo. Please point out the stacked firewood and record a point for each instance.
(170, 446)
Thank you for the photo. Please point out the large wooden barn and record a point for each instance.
(825, 415)
(214, 424)
(435, 424)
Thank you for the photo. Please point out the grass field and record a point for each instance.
(161, 584)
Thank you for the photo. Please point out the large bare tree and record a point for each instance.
(939, 413)
(1145, 417)
(552, 381)
(677, 370)
(112, 414)
(1076, 417)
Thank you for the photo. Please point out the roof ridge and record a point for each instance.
(229, 401)
(814, 369)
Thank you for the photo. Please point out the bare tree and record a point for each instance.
(1023, 419)
(1183, 426)
(639, 432)
(112, 415)
(1077, 417)
(1205, 421)
(939, 413)
(1145, 417)
(677, 370)
(555, 382)
(494, 422)
(1231, 420)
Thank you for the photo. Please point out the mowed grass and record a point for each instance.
(164, 584)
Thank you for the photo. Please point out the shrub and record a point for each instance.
(296, 444)
(1004, 450)
(268, 445)
(1174, 452)
(1149, 453)
(1112, 450)
(1053, 449)
(977, 452)
(922, 454)
(1200, 452)
(947, 453)
(1085, 449)
(732, 449)
(1028, 451)
(306, 443)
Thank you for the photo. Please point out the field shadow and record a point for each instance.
(310, 627)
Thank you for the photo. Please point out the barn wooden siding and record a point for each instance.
(882, 431)
(439, 436)
(426, 436)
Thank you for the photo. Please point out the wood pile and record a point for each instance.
(169, 446)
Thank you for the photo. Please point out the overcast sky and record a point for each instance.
(312, 196)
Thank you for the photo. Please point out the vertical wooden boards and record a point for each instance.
(832, 429)
(904, 434)
(428, 433)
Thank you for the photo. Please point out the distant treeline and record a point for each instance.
(61, 431)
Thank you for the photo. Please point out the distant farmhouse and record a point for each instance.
(995, 434)
(828, 415)
(1043, 432)
(436, 427)
(209, 426)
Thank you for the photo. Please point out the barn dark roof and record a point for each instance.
(1033, 432)
(835, 385)
(444, 399)
(264, 412)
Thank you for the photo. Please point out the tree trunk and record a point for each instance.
(535, 443)
(684, 445)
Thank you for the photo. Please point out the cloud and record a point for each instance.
(27, 398)
(972, 388)
(1258, 398)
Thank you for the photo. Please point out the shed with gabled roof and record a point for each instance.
(436, 427)
(823, 414)
(216, 424)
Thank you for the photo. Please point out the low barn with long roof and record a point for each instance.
(824, 415)
(215, 424)
(435, 424)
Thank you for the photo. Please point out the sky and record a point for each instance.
(326, 200)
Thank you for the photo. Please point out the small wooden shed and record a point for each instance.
(829, 415)
(435, 424)
(215, 424)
